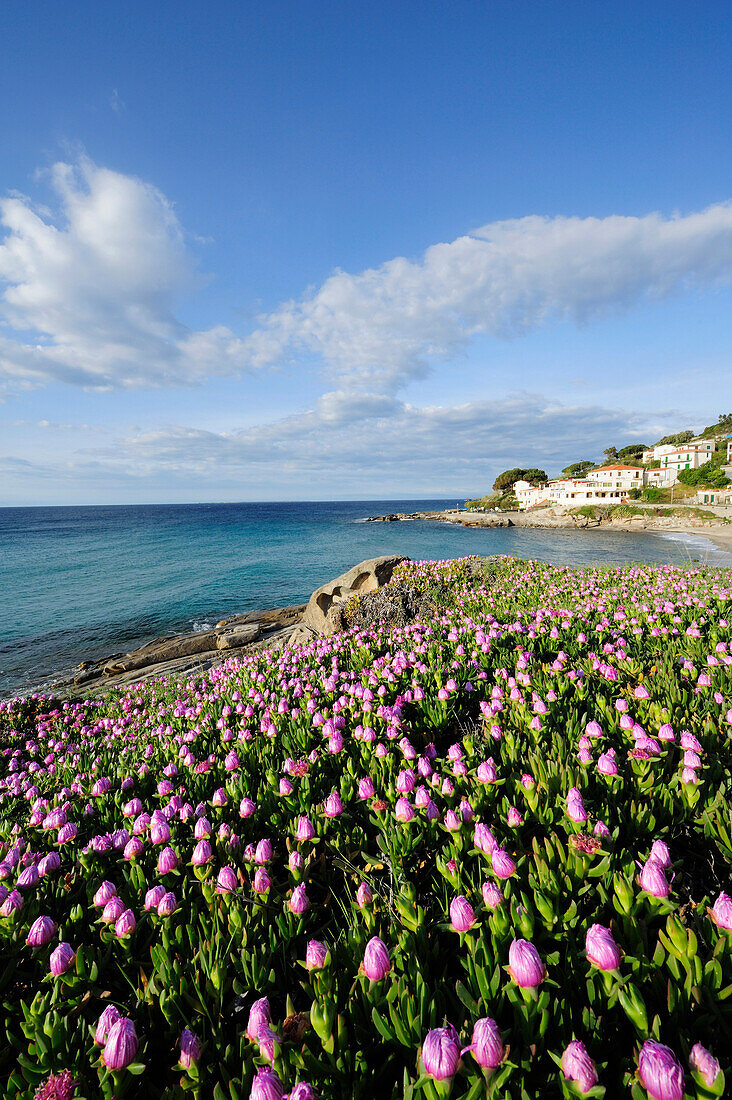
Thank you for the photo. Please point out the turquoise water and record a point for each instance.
(84, 582)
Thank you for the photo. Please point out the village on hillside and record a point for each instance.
(703, 463)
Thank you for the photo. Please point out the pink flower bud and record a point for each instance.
(303, 1091)
(376, 961)
(441, 1053)
(121, 1045)
(721, 912)
(61, 959)
(262, 881)
(167, 861)
(259, 1017)
(492, 895)
(246, 807)
(299, 902)
(575, 806)
(226, 881)
(125, 924)
(525, 965)
(263, 851)
(305, 829)
(653, 879)
(41, 932)
(113, 909)
(153, 896)
(266, 1085)
(333, 806)
(484, 839)
(503, 865)
(462, 916)
(659, 1071)
(167, 904)
(577, 1066)
(403, 811)
(201, 853)
(704, 1063)
(295, 862)
(316, 955)
(107, 1018)
(365, 788)
(364, 896)
(486, 1044)
(190, 1048)
(601, 948)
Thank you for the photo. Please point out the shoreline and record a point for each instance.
(720, 534)
(241, 634)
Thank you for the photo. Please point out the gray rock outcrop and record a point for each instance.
(361, 579)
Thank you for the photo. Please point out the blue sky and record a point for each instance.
(299, 250)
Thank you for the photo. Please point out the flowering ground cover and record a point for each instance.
(482, 854)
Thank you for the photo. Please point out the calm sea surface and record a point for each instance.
(80, 583)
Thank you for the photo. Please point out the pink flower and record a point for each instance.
(575, 806)
(492, 895)
(190, 1048)
(333, 806)
(226, 881)
(660, 1072)
(41, 932)
(153, 896)
(601, 948)
(525, 965)
(106, 891)
(263, 851)
(262, 881)
(113, 909)
(721, 912)
(299, 902)
(365, 788)
(403, 811)
(704, 1063)
(107, 1018)
(259, 1017)
(266, 1085)
(653, 879)
(577, 1066)
(317, 955)
(502, 863)
(61, 959)
(364, 896)
(462, 916)
(167, 861)
(660, 852)
(441, 1053)
(125, 924)
(201, 853)
(121, 1045)
(484, 839)
(57, 1086)
(486, 1044)
(376, 961)
(246, 807)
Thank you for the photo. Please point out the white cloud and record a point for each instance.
(90, 300)
(387, 324)
(354, 445)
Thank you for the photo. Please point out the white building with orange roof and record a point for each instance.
(689, 456)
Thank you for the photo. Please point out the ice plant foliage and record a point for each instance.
(313, 872)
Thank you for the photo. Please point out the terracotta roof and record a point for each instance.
(616, 467)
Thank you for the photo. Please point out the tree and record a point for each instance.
(705, 476)
(610, 453)
(577, 469)
(679, 438)
(631, 450)
(508, 478)
(535, 476)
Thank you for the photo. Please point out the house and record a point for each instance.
(617, 476)
(659, 479)
(654, 453)
(608, 485)
(714, 496)
(690, 456)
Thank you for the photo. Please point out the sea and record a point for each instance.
(84, 582)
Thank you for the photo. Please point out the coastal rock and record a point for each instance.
(163, 650)
(365, 577)
(235, 636)
(302, 635)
